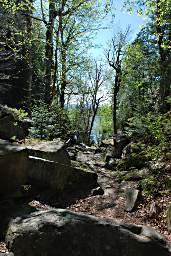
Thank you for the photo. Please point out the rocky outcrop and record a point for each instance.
(50, 174)
(13, 167)
(12, 126)
(45, 164)
(50, 165)
(14, 67)
(61, 232)
(115, 145)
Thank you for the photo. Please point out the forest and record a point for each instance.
(84, 132)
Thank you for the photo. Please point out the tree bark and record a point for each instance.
(29, 61)
(116, 88)
(49, 63)
(165, 62)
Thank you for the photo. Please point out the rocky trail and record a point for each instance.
(106, 202)
(111, 205)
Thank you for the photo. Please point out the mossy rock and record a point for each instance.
(135, 160)
(137, 147)
(135, 157)
(122, 165)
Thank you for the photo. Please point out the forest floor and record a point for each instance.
(111, 205)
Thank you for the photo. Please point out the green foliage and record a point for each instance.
(18, 114)
(150, 185)
(153, 130)
(49, 123)
(22, 113)
(79, 121)
(140, 78)
(156, 184)
(105, 114)
(136, 158)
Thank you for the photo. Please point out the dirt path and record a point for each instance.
(111, 205)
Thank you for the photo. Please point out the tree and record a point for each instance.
(68, 21)
(159, 13)
(97, 80)
(114, 57)
(140, 78)
(72, 36)
(49, 50)
(89, 94)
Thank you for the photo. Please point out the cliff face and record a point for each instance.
(14, 64)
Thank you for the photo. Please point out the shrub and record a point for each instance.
(49, 123)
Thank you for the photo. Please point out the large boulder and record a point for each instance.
(13, 167)
(115, 145)
(61, 232)
(12, 126)
(50, 166)
(46, 173)
(82, 177)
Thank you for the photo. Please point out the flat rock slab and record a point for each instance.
(6, 254)
(7, 148)
(50, 150)
(60, 232)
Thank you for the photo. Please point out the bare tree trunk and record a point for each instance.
(114, 112)
(95, 109)
(63, 78)
(55, 89)
(116, 88)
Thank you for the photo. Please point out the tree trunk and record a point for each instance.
(63, 78)
(29, 61)
(49, 64)
(55, 89)
(165, 62)
(95, 109)
(115, 93)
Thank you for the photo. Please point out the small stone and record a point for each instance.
(132, 196)
(97, 191)
(154, 210)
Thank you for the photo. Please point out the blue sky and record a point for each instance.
(120, 20)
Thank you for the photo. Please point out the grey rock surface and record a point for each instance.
(11, 126)
(50, 150)
(13, 167)
(132, 196)
(7, 254)
(60, 232)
